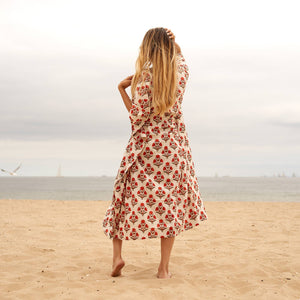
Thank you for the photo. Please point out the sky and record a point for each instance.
(61, 62)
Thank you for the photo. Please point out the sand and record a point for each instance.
(57, 250)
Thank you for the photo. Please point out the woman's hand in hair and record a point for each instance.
(170, 34)
(125, 83)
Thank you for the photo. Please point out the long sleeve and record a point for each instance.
(141, 103)
(182, 66)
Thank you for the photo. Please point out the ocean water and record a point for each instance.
(100, 188)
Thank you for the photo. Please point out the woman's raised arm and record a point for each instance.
(121, 87)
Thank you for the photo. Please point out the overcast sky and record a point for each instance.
(61, 62)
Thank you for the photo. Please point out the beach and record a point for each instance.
(52, 249)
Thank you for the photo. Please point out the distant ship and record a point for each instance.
(59, 172)
(281, 175)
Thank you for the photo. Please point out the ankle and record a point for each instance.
(163, 269)
(116, 259)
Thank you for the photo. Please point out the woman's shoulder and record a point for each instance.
(182, 65)
(180, 58)
(146, 76)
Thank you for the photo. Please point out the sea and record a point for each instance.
(226, 188)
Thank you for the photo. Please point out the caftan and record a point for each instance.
(156, 192)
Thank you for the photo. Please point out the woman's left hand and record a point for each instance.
(125, 83)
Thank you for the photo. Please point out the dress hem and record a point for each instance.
(158, 236)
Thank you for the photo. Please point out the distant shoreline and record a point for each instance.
(227, 188)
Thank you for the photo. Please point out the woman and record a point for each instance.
(156, 193)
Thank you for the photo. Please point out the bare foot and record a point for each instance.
(163, 275)
(117, 267)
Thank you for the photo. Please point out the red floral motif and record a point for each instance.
(118, 202)
(134, 168)
(127, 195)
(123, 162)
(150, 201)
(148, 153)
(149, 169)
(165, 137)
(151, 217)
(134, 201)
(142, 176)
(181, 152)
(182, 190)
(180, 214)
(126, 226)
(168, 184)
(169, 200)
(173, 144)
(178, 201)
(152, 233)
(176, 175)
(165, 124)
(161, 225)
(130, 158)
(182, 82)
(138, 144)
(123, 216)
(181, 127)
(144, 103)
(157, 119)
(143, 226)
(189, 156)
(156, 130)
(133, 234)
(175, 160)
(157, 144)
(171, 232)
(133, 218)
(192, 214)
(177, 225)
(159, 177)
(121, 235)
(187, 225)
(150, 184)
(142, 192)
(166, 152)
(160, 192)
(167, 168)
(142, 209)
(158, 161)
(169, 216)
(160, 209)
(141, 161)
(182, 165)
(129, 147)
(134, 184)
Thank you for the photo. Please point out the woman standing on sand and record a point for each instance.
(156, 192)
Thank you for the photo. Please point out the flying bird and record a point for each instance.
(13, 173)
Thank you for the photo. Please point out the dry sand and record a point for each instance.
(57, 250)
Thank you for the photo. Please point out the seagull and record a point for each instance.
(14, 171)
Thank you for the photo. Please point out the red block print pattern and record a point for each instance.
(156, 192)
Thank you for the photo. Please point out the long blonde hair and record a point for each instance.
(157, 48)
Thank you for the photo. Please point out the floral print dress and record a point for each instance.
(156, 192)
